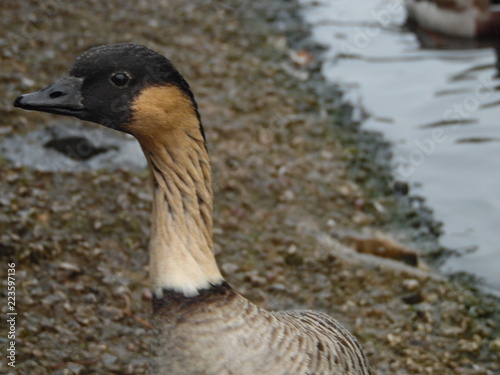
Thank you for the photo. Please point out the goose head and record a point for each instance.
(126, 87)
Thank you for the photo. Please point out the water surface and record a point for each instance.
(440, 109)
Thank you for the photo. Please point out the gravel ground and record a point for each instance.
(297, 186)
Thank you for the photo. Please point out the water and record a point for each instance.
(69, 145)
(439, 108)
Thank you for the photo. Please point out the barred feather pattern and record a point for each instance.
(222, 333)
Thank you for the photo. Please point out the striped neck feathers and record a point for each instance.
(166, 123)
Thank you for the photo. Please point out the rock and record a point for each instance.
(230, 268)
(301, 58)
(468, 346)
(287, 196)
(277, 287)
(495, 345)
(146, 294)
(393, 339)
(412, 298)
(411, 284)
(72, 147)
(75, 368)
(331, 223)
(292, 257)
(109, 359)
(69, 267)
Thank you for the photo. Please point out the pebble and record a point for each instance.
(287, 196)
(230, 268)
(277, 287)
(69, 267)
(411, 284)
(331, 223)
(495, 345)
(4, 130)
(75, 368)
(109, 359)
(28, 82)
(413, 298)
(393, 339)
(146, 294)
(468, 346)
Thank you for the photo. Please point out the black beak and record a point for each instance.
(63, 97)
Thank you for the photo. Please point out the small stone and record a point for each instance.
(5, 130)
(301, 58)
(52, 298)
(12, 177)
(69, 267)
(68, 307)
(345, 190)
(146, 294)
(411, 285)
(122, 290)
(379, 207)
(287, 196)
(293, 258)
(452, 331)
(109, 359)
(257, 280)
(331, 223)
(75, 368)
(278, 287)
(230, 268)
(401, 188)
(282, 170)
(468, 346)
(327, 155)
(27, 82)
(83, 321)
(393, 339)
(412, 298)
(495, 345)
(359, 203)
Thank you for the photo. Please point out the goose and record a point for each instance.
(473, 19)
(201, 324)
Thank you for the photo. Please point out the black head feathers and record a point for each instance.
(103, 83)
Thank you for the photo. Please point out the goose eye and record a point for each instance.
(119, 79)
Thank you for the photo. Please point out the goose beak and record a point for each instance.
(63, 97)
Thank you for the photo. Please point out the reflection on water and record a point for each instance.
(440, 108)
